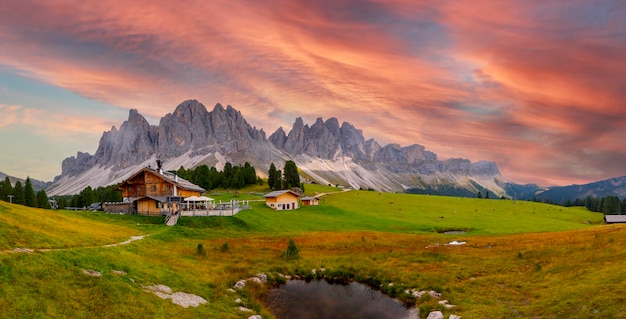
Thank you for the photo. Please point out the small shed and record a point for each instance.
(310, 201)
(282, 200)
(615, 219)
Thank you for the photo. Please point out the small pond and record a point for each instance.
(298, 299)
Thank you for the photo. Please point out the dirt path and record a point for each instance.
(31, 250)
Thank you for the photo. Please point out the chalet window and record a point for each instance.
(139, 188)
(158, 204)
(153, 188)
(130, 189)
(168, 187)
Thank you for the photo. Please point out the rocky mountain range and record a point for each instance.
(37, 184)
(326, 152)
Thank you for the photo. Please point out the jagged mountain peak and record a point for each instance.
(326, 151)
(190, 108)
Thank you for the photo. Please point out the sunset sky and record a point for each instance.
(539, 87)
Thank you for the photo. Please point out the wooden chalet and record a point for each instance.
(282, 200)
(153, 192)
(310, 201)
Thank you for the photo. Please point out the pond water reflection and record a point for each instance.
(298, 299)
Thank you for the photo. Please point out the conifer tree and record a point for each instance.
(271, 177)
(7, 189)
(29, 194)
(292, 177)
(42, 200)
(18, 193)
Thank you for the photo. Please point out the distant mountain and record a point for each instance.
(560, 194)
(326, 152)
(37, 184)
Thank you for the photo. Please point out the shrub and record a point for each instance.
(292, 251)
(200, 251)
(225, 247)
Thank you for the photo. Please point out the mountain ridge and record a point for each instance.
(326, 152)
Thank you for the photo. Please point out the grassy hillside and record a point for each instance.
(521, 259)
(26, 227)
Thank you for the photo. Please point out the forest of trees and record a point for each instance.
(276, 179)
(23, 194)
(609, 205)
(231, 176)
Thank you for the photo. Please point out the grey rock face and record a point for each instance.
(193, 131)
(328, 140)
(190, 128)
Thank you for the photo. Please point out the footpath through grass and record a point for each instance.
(521, 260)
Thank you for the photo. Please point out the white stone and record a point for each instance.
(435, 315)
(390, 284)
(449, 306)
(434, 294)
(238, 300)
(457, 243)
(255, 279)
(92, 273)
(442, 302)
(240, 284)
(231, 290)
(454, 317)
(255, 317)
(262, 277)
(314, 271)
(244, 309)
(186, 300)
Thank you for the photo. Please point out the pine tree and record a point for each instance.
(479, 195)
(18, 193)
(29, 194)
(292, 177)
(86, 197)
(271, 177)
(611, 205)
(42, 200)
(486, 194)
(7, 189)
(62, 202)
(202, 177)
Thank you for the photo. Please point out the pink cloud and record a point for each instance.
(519, 83)
(10, 114)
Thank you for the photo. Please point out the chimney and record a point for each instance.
(159, 166)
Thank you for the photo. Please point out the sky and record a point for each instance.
(539, 87)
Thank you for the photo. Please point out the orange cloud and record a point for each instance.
(536, 87)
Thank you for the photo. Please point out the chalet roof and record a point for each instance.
(172, 178)
(180, 182)
(609, 219)
(309, 198)
(280, 192)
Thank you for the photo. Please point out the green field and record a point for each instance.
(521, 260)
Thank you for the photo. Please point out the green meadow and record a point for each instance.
(520, 260)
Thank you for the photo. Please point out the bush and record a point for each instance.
(225, 247)
(200, 251)
(292, 251)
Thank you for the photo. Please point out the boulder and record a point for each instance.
(435, 315)
(262, 277)
(240, 284)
